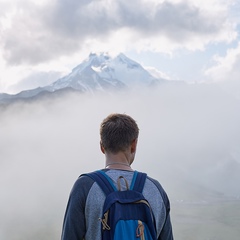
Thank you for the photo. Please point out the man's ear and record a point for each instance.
(134, 146)
(102, 148)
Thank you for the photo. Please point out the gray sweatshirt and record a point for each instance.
(86, 201)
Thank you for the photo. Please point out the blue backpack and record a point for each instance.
(126, 214)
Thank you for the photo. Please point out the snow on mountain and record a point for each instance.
(99, 72)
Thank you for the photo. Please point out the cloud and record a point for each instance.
(225, 71)
(42, 32)
(226, 67)
(187, 133)
(35, 80)
(156, 73)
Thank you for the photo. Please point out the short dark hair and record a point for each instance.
(117, 132)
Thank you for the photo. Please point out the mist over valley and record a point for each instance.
(189, 140)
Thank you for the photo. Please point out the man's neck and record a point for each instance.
(120, 160)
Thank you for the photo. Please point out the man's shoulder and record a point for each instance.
(160, 189)
(154, 181)
(83, 183)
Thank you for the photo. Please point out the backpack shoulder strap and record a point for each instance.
(138, 181)
(106, 184)
(103, 180)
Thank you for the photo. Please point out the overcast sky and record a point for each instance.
(191, 40)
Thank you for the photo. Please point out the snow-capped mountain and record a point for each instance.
(99, 72)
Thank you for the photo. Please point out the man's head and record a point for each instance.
(118, 132)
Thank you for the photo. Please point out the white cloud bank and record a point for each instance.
(189, 140)
(38, 33)
(226, 71)
(226, 67)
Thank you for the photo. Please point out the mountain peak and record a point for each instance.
(101, 72)
(101, 56)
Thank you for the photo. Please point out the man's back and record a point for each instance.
(118, 142)
(86, 203)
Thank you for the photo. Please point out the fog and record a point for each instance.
(189, 140)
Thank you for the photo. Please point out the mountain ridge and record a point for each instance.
(99, 72)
